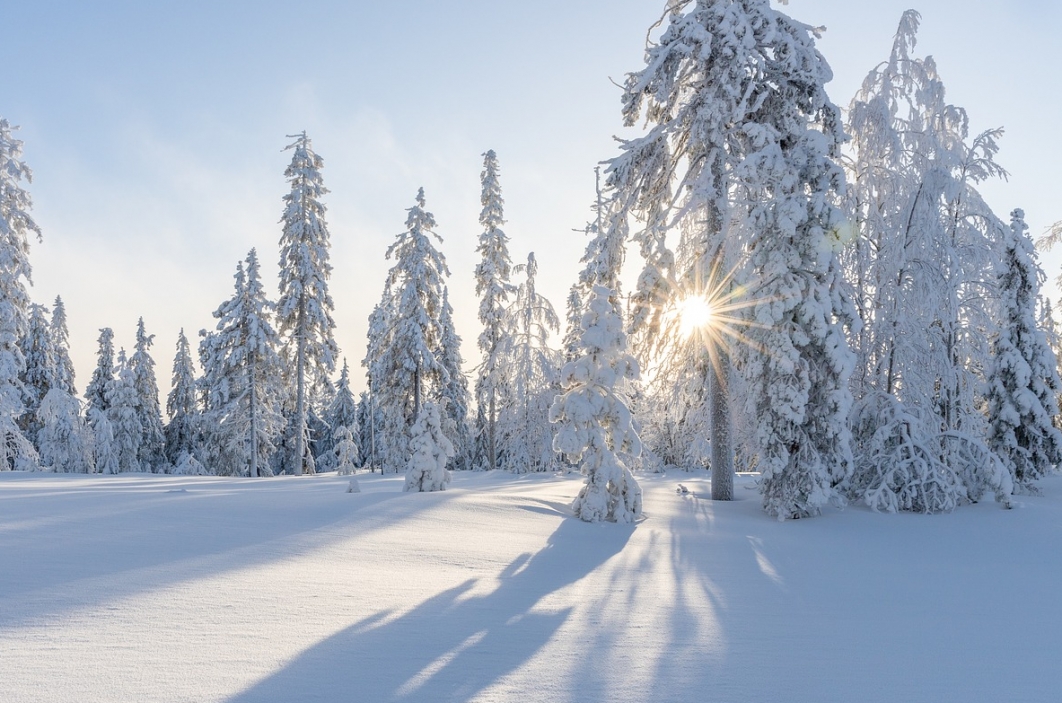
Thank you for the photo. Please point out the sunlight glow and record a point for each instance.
(694, 315)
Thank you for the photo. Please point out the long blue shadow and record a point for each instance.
(451, 646)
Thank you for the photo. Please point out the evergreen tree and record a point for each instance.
(16, 224)
(346, 453)
(429, 452)
(182, 405)
(304, 310)
(738, 115)
(405, 333)
(342, 412)
(64, 367)
(105, 451)
(920, 264)
(242, 369)
(369, 420)
(452, 394)
(123, 412)
(64, 438)
(96, 391)
(573, 327)
(151, 451)
(40, 374)
(594, 423)
(523, 425)
(1023, 382)
(493, 288)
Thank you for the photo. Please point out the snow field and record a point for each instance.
(155, 588)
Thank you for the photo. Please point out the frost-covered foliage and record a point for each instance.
(122, 411)
(405, 354)
(346, 452)
(737, 160)
(242, 379)
(573, 317)
(1023, 382)
(493, 288)
(182, 405)
(105, 451)
(64, 367)
(921, 263)
(369, 420)
(151, 452)
(532, 365)
(16, 224)
(188, 465)
(304, 310)
(594, 422)
(64, 439)
(342, 412)
(1048, 325)
(798, 386)
(429, 452)
(452, 395)
(96, 391)
(40, 374)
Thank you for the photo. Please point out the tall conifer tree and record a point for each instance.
(304, 310)
(493, 288)
(16, 225)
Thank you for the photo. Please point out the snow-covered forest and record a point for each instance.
(825, 299)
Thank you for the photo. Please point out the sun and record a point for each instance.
(694, 314)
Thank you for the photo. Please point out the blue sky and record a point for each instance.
(155, 132)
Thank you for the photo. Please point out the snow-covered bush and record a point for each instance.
(426, 470)
(594, 423)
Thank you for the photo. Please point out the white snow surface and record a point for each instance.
(198, 588)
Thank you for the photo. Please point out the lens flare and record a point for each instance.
(694, 315)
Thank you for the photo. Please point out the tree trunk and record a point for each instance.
(416, 393)
(300, 390)
(492, 449)
(719, 404)
(253, 403)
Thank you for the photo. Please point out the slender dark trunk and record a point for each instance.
(297, 465)
(253, 408)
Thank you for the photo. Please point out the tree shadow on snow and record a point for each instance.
(456, 643)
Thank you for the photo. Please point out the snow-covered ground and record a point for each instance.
(153, 588)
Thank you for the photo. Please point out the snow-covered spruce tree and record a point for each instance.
(342, 412)
(920, 264)
(104, 449)
(1023, 382)
(493, 288)
(715, 82)
(429, 452)
(304, 310)
(40, 372)
(63, 438)
(533, 367)
(151, 453)
(1049, 327)
(242, 374)
(96, 391)
(452, 395)
(573, 325)
(123, 412)
(16, 224)
(368, 422)
(346, 452)
(386, 436)
(405, 335)
(64, 367)
(182, 405)
(594, 423)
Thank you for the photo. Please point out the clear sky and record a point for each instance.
(155, 131)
